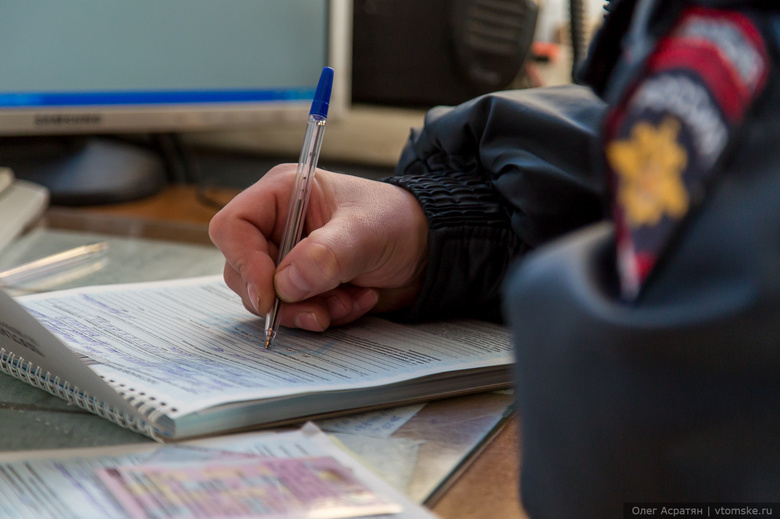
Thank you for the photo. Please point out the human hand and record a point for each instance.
(364, 248)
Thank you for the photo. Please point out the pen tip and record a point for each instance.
(270, 333)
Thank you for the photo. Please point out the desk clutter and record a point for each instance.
(21, 204)
(414, 448)
(279, 475)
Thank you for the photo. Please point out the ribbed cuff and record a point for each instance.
(470, 246)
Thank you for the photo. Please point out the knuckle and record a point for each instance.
(328, 264)
(216, 227)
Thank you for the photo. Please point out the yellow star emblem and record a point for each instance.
(650, 165)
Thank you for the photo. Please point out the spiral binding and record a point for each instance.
(34, 375)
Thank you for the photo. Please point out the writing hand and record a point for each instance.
(364, 248)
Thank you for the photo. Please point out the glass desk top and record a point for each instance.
(417, 449)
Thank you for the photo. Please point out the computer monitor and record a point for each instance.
(86, 68)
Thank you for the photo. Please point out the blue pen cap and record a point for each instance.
(319, 106)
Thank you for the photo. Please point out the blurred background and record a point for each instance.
(110, 101)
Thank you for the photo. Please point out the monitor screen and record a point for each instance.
(81, 78)
(91, 66)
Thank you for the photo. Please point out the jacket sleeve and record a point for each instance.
(672, 397)
(496, 177)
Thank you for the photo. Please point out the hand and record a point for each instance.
(364, 248)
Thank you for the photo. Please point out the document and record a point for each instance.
(181, 358)
(84, 484)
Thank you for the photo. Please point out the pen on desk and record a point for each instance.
(49, 264)
(299, 199)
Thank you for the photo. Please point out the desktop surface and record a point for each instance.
(159, 235)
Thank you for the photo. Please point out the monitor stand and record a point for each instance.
(85, 170)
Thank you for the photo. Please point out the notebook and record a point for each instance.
(180, 359)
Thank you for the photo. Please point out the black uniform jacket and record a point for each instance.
(633, 230)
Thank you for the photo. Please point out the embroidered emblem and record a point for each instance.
(689, 101)
(650, 164)
(734, 37)
(663, 142)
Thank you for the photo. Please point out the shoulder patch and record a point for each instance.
(734, 38)
(663, 142)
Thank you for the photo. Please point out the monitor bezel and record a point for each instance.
(185, 118)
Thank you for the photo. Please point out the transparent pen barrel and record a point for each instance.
(299, 200)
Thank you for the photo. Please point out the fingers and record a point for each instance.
(241, 230)
(335, 307)
(249, 268)
(365, 248)
(375, 237)
(250, 295)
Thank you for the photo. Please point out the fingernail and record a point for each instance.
(308, 321)
(290, 284)
(254, 299)
(336, 308)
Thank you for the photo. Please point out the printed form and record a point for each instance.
(71, 484)
(191, 343)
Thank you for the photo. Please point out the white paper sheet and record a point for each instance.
(63, 484)
(190, 343)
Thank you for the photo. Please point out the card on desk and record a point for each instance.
(206, 480)
(183, 358)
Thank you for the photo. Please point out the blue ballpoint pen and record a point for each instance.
(299, 200)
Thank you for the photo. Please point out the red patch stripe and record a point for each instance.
(706, 63)
(740, 22)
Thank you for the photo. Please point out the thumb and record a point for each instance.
(323, 260)
(376, 237)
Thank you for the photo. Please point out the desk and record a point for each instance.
(485, 487)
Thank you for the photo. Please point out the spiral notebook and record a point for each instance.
(179, 359)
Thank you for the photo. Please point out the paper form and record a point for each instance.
(315, 488)
(190, 343)
(65, 484)
(376, 424)
(70, 487)
(394, 459)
